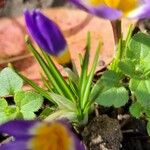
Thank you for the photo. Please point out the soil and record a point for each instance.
(115, 132)
(135, 135)
(102, 133)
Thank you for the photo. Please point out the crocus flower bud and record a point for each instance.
(47, 35)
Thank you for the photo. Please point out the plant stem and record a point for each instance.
(116, 26)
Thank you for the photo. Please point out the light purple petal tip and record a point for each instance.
(100, 11)
(106, 12)
(142, 12)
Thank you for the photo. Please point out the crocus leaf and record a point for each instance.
(97, 88)
(40, 90)
(72, 76)
(62, 113)
(46, 112)
(46, 83)
(62, 101)
(84, 67)
(128, 38)
(73, 81)
(43, 66)
(10, 82)
(52, 73)
(58, 77)
(85, 99)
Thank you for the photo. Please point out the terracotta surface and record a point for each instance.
(74, 23)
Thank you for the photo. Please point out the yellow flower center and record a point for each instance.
(124, 5)
(52, 136)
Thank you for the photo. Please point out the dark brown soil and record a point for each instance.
(114, 131)
(102, 133)
(135, 135)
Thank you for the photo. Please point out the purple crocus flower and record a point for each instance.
(47, 35)
(36, 135)
(115, 9)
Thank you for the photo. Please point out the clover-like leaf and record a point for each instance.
(127, 66)
(28, 103)
(111, 78)
(3, 104)
(115, 96)
(136, 110)
(10, 82)
(139, 47)
(141, 90)
(7, 112)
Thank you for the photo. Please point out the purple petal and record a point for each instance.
(15, 145)
(106, 12)
(18, 128)
(145, 1)
(33, 29)
(100, 11)
(141, 12)
(78, 145)
(51, 33)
